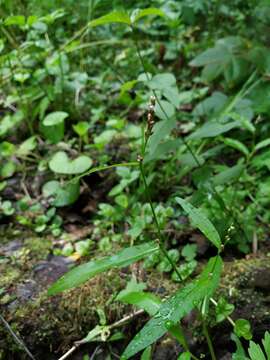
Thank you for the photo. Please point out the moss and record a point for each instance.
(39, 247)
(52, 324)
(9, 275)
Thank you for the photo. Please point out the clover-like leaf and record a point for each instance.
(61, 164)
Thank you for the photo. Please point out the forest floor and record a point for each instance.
(50, 326)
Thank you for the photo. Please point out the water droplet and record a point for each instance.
(123, 357)
(169, 324)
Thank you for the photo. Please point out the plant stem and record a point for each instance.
(209, 341)
(161, 239)
(161, 242)
(240, 95)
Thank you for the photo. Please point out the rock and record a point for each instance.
(26, 291)
(11, 247)
(47, 272)
(260, 279)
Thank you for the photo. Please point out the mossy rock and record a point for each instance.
(50, 325)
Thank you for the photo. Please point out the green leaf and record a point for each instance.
(160, 131)
(185, 270)
(55, 118)
(9, 122)
(122, 200)
(177, 306)
(146, 355)
(27, 146)
(184, 356)
(91, 336)
(217, 55)
(128, 85)
(242, 329)
(236, 144)
(262, 144)
(165, 264)
(255, 351)
(240, 352)
(15, 20)
(228, 175)
(61, 164)
(63, 195)
(176, 331)
(243, 120)
(189, 251)
(131, 287)
(84, 272)
(266, 344)
(2, 45)
(8, 169)
(53, 126)
(163, 149)
(82, 247)
(165, 110)
(140, 13)
(223, 309)
(211, 129)
(143, 300)
(162, 81)
(81, 128)
(200, 221)
(113, 17)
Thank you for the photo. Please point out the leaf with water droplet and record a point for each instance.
(169, 324)
(177, 306)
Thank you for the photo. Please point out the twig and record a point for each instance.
(118, 323)
(126, 318)
(94, 353)
(69, 352)
(16, 338)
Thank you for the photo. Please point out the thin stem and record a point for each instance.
(161, 242)
(209, 341)
(125, 319)
(161, 239)
(242, 93)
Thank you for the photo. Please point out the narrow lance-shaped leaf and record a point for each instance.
(228, 175)
(212, 129)
(172, 310)
(238, 145)
(84, 272)
(113, 17)
(201, 222)
(262, 144)
(140, 13)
